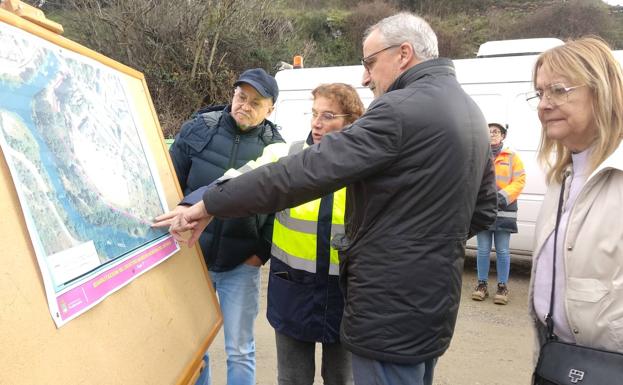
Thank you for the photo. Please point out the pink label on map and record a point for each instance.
(95, 289)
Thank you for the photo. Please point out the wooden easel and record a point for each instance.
(152, 331)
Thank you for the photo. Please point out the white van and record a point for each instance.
(498, 80)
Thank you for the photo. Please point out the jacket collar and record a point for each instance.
(440, 66)
(507, 150)
(614, 161)
(229, 123)
(310, 140)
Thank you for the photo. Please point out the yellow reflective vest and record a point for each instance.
(510, 176)
(295, 233)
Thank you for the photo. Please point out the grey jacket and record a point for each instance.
(420, 182)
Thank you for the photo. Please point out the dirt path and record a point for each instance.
(491, 346)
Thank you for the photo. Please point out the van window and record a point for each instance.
(290, 115)
(526, 130)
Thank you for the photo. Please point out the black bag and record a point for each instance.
(562, 363)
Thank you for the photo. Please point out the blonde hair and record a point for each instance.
(587, 61)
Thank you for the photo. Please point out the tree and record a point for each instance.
(190, 51)
(570, 19)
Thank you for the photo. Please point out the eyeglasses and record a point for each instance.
(495, 133)
(325, 116)
(555, 94)
(367, 63)
(242, 98)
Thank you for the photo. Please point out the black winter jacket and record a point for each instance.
(420, 182)
(206, 146)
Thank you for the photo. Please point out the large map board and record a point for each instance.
(86, 179)
(153, 330)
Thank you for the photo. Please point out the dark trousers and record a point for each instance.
(296, 362)
(373, 372)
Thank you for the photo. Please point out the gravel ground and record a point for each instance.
(492, 344)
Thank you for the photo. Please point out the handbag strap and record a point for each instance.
(549, 321)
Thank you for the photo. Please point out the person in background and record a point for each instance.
(420, 183)
(510, 179)
(579, 99)
(216, 139)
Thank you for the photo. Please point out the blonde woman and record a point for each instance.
(579, 98)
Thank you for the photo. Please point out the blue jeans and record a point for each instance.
(238, 292)
(503, 256)
(373, 372)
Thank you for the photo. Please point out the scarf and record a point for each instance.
(495, 150)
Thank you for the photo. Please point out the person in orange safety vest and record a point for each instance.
(510, 179)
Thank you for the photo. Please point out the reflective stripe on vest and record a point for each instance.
(295, 234)
(503, 169)
(305, 226)
(507, 214)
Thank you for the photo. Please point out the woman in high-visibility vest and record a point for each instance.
(305, 303)
(510, 180)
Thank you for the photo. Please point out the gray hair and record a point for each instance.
(407, 27)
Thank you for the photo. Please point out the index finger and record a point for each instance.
(169, 215)
(165, 220)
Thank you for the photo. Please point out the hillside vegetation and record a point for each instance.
(191, 51)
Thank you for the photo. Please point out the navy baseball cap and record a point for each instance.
(263, 83)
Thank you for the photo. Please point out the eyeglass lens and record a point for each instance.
(556, 94)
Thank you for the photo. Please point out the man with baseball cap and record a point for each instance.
(263, 83)
(218, 138)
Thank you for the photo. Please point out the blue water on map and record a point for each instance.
(109, 241)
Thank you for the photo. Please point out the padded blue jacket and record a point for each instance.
(207, 145)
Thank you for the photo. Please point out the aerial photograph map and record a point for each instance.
(68, 132)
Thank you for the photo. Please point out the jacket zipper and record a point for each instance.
(234, 152)
(216, 241)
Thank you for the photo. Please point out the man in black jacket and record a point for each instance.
(215, 140)
(420, 183)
